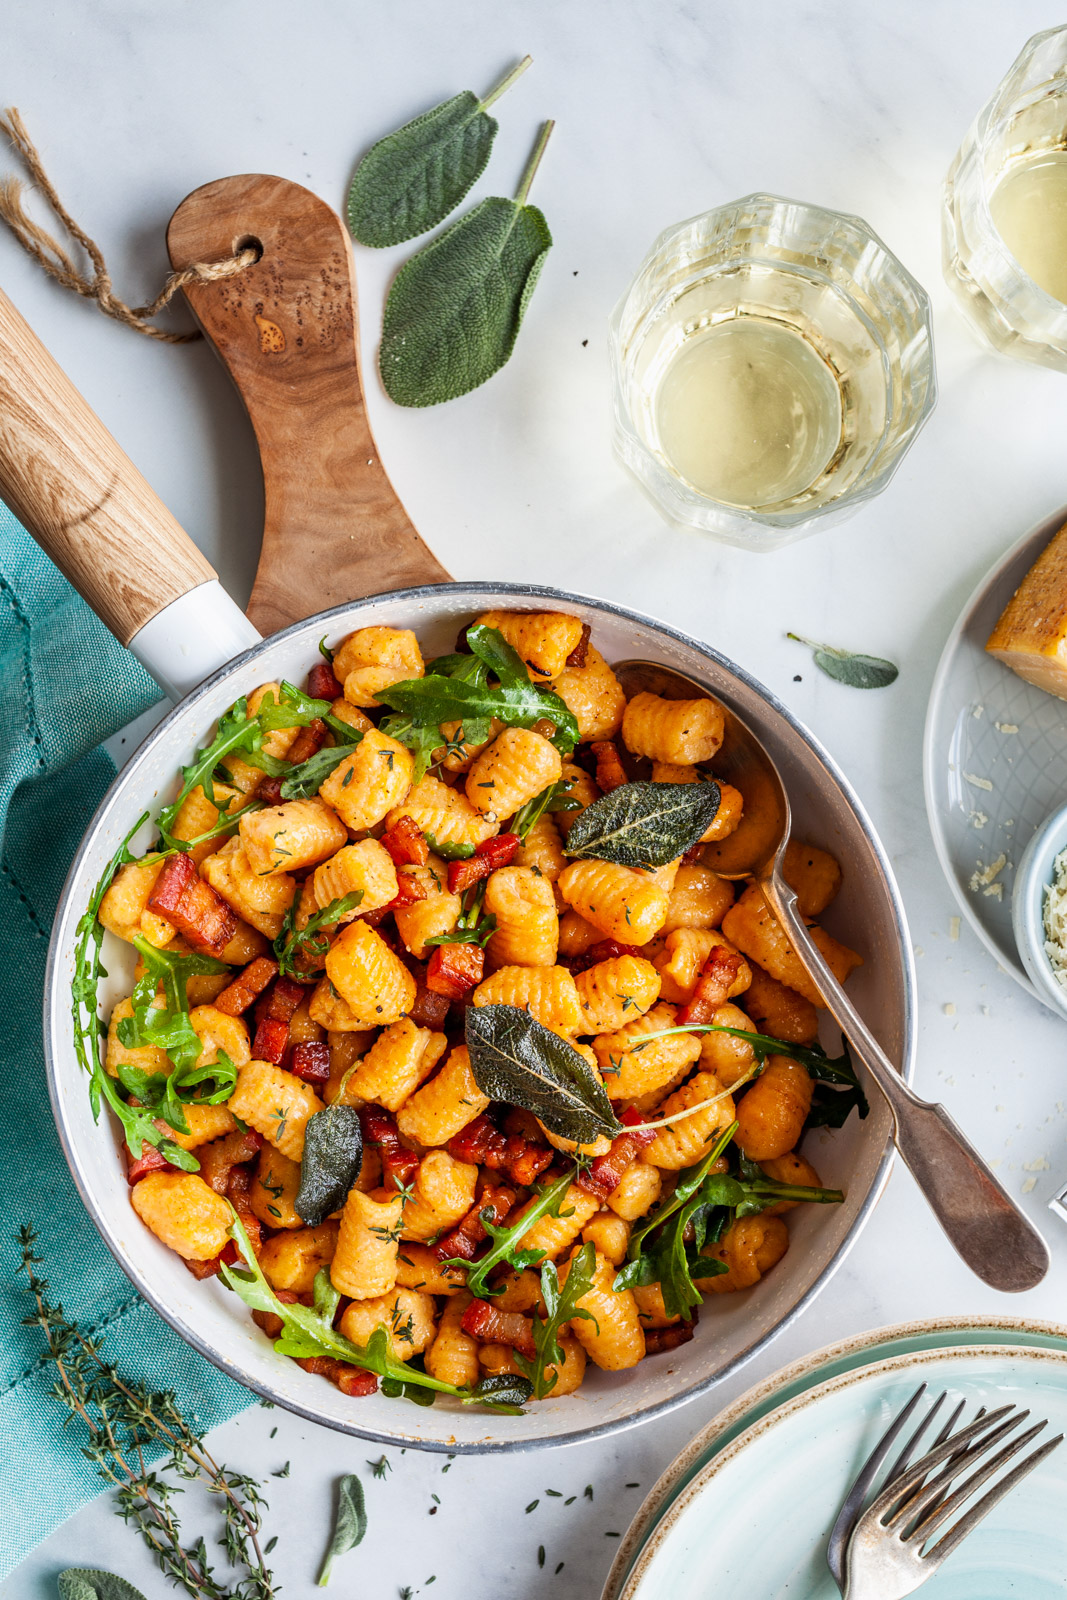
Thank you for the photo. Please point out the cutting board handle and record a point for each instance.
(287, 332)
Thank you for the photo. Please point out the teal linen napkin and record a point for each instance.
(65, 684)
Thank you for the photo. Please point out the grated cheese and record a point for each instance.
(985, 877)
(1007, 727)
(979, 783)
(953, 928)
(1056, 918)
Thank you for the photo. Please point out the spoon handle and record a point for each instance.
(988, 1230)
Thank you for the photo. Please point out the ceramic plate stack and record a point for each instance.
(748, 1506)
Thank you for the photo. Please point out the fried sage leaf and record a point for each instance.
(517, 1059)
(90, 1583)
(455, 309)
(847, 666)
(350, 1523)
(333, 1154)
(644, 824)
(410, 180)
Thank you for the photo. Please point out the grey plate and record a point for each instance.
(975, 703)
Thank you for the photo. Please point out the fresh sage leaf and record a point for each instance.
(409, 181)
(350, 1522)
(333, 1154)
(644, 824)
(503, 1390)
(847, 666)
(89, 1583)
(454, 310)
(517, 1059)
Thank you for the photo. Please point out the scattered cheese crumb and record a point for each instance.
(919, 951)
(1055, 919)
(983, 877)
(978, 819)
(1029, 1185)
(979, 783)
(949, 1008)
(985, 1009)
(1040, 1165)
(953, 928)
(1006, 727)
(976, 712)
(995, 890)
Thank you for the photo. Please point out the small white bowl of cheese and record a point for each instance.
(1039, 910)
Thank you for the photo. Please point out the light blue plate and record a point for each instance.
(755, 1519)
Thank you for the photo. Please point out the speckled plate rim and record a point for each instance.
(798, 1378)
(810, 1397)
(934, 756)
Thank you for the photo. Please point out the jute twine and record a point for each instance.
(60, 265)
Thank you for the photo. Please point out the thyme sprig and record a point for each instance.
(123, 1421)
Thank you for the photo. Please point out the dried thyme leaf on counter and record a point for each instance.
(847, 666)
(409, 181)
(454, 310)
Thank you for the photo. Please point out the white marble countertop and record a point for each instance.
(663, 109)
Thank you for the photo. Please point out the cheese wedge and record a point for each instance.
(1031, 635)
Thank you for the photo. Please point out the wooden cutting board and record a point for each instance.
(287, 331)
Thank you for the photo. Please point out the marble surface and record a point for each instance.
(663, 110)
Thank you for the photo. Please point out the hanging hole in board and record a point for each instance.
(248, 241)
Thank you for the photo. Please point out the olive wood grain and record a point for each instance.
(287, 331)
(80, 495)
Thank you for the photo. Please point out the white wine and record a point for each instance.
(748, 412)
(1029, 210)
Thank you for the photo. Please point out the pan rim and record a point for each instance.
(223, 1362)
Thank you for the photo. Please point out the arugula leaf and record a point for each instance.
(325, 652)
(139, 1127)
(449, 851)
(307, 1331)
(409, 181)
(227, 824)
(556, 797)
(307, 779)
(472, 927)
(454, 310)
(298, 710)
(170, 970)
(292, 940)
(164, 1094)
(561, 1306)
(349, 1523)
(689, 1181)
(517, 1059)
(644, 824)
(236, 731)
(506, 1239)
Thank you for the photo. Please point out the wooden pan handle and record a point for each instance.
(287, 332)
(80, 496)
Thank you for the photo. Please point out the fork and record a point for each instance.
(889, 1554)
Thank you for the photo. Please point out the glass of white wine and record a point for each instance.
(1004, 220)
(771, 363)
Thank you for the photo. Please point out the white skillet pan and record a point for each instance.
(334, 530)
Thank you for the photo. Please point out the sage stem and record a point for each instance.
(506, 82)
(534, 162)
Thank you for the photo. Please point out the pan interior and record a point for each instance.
(867, 914)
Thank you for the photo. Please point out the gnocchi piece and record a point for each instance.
(566, 1376)
(148, 1057)
(682, 959)
(553, 1235)
(678, 731)
(544, 639)
(452, 1357)
(261, 901)
(406, 1315)
(723, 1053)
(444, 815)
(813, 873)
(345, 712)
(636, 1191)
(750, 1247)
(363, 868)
(292, 836)
(401, 1058)
(219, 1034)
(699, 899)
(365, 1260)
(184, 1213)
(374, 982)
(292, 1260)
(609, 1234)
(206, 1123)
(444, 1191)
(368, 784)
(650, 1307)
(542, 852)
(580, 787)
(690, 1139)
(457, 753)
(576, 936)
(417, 1267)
(346, 1050)
(594, 696)
(445, 1105)
(274, 1189)
(513, 769)
(276, 1104)
(612, 1337)
(793, 1169)
(780, 1011)
(527, 928)
(631, 1069)
(373, 659)
(198, 815)
(772, 1114)
(437, 913)
(752, 926)
(124, 908)
(331, 1012)
(615, 992)
(549, 994)
(625, 905)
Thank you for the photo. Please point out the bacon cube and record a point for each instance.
(713, 986)
(271, 1041)
(406, 843)
(322, 683)
(609, 768)
(490, 854)
(455, 969)
(309, 1061)
(493, 1326)
(183, 897)
(248, 985)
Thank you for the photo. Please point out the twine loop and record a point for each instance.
(59, 263)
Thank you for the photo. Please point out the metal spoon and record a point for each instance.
(988, 1230)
